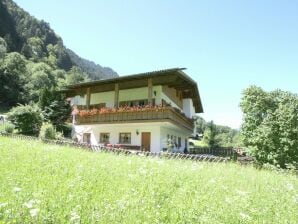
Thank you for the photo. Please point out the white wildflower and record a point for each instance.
(212, 181)
(228, 200)
(96, 216)
(17, 189)
(129, 162)
(295, 197)
(241, 193)
(289, 186)
(8, 211)
(131, 176)
(244, 216)
(34, 212)
(2, 205)
(142, 170)
(74, 217)
(29, 204)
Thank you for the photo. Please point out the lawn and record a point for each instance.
(53, 184)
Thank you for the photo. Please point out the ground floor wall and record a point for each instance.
(174, 138)
(162, 134)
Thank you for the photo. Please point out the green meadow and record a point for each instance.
(42, 183)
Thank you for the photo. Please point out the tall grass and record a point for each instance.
(53, 184)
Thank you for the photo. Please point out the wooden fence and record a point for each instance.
(96, 148)
(225, 152)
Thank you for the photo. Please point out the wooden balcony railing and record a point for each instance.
(145, 115)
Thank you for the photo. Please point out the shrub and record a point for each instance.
(47, 131)
(65, 130)
(9, 128)
(26, 118)
(270, 126)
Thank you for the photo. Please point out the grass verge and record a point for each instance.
(53, 184)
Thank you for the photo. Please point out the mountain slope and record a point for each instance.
(94, 71)
(37, 41)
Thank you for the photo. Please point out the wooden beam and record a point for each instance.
(116, 99)
(150, 91)
(88, 96)
(187, 94)
(103, 88)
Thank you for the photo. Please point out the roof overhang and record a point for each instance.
(175, 78)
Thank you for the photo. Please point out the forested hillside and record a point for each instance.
(217, 135)
(32, 56)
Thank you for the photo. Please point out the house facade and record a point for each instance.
(148, 111)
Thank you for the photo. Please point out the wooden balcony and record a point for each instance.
(164, 114)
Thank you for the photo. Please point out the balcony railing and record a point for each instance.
(130, 115)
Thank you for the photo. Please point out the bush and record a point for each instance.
(47, 131)
(270, 126)
(27, 119)
(65, 129)
(9, 128)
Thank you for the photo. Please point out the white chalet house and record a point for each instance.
(146, 111)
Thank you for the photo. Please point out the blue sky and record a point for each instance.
(225, 45)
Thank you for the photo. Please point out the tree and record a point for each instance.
(40, 77)
(210, 135)
(3, 48)
(34, 49)
(201, 125)
(55, 108)
(270, 128)
(75, 76)
(13, 76)
(26, 118)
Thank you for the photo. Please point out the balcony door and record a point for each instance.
(146, 139)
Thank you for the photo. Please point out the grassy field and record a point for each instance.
(52, 184)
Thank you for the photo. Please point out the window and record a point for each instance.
(132, 103)
(87, 138)
(179, 142)
(104, 138)
(125, 138)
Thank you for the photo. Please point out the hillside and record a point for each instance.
(43, 183)
(33, 57)
(94, 71)
(35, 40)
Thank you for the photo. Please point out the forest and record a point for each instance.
(33, 56)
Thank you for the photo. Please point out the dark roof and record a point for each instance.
(174, 77)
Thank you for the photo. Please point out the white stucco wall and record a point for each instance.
(115, 129)
(188, 108)
(104, 97)
(78, 100)
(173, 130)
(158, 130)
(168, 100)
(124, 95)
(139, 94)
